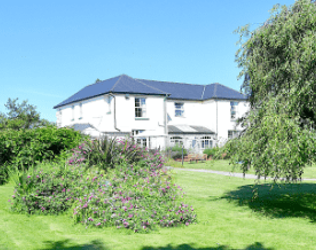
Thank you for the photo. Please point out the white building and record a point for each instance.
(157, 113)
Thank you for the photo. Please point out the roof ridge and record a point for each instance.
(116, 82)
(195, 84)
(102, 81)
(139, 80)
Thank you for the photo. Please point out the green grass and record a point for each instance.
(223, 165)
(228, 218)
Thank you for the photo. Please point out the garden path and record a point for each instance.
(230, 174)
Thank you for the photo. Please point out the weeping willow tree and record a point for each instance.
(278, 65)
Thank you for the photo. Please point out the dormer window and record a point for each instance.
(233, 110)
(179, 110)
(140, 107)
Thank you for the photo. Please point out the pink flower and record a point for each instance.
(28, 176)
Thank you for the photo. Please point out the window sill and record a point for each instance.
(180, 116)
(141, 118)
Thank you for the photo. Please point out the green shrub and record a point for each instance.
(106, 153)
(175, 152)
(136, 196)
(25, 148)
(217, 153)
(49, 189)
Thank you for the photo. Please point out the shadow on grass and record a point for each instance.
(68, 244)
(255, 246)
(279, 201)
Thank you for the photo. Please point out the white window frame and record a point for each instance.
(206, 140)
(233, 110)
(140, 107)
(180, 109)
(176, 140)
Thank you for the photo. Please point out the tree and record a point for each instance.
(20, 116)
(278, 62)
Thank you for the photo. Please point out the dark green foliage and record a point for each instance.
(175, 152)
(278, 64)
(50, 189)
(25, 148)
(136, 196)
(20, 116)
(106, 153)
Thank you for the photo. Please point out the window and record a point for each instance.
(206, 142)
(232, 134)
(142, 141)
(176, 140)
(179, 110)
(140, 107)
(233, 110)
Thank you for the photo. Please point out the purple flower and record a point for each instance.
(187, 224)
(98, 224)
(28, 176)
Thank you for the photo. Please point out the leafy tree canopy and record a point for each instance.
(278, 62)
(20, 116)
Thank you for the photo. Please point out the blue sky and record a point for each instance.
(51, 49)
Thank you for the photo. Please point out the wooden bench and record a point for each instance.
(196, 158)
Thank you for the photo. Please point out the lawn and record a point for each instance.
(228, 218)
(223, 165)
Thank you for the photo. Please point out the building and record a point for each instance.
(156, 113)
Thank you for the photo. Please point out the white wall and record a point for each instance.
(99, 112)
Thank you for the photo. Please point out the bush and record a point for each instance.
(217, 153)
(106, 153)
(175, 152)
(137, 196)
(50, 189)
(25, 148)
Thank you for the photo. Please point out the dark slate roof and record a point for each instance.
(178, 90)
(188, 129)
(220, 91)
(121, 84)
(124, 84)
